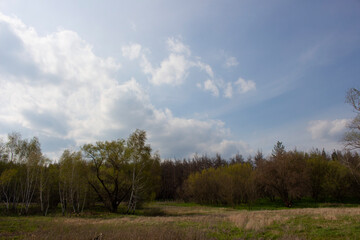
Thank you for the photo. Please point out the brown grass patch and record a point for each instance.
(255, 220)
(193, 223)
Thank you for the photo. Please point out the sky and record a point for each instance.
(200, 77)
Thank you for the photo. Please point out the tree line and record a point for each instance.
(111, 172)
(286, 175)
(126, 172)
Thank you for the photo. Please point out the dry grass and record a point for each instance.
(196, 222)
(255, 220)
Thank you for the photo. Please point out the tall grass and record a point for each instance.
(172, 221)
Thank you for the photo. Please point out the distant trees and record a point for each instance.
(230, 185)
(125, 171)
(175, 172)
(285, 175)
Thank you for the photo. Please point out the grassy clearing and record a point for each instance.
(181, 221)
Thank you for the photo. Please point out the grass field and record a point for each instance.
(166, 220)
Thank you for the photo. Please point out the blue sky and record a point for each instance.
(199, 76)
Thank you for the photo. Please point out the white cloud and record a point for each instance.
(328, 130)
(172, 70)
(228, 92)
(176, 46)
(205, 67)
(245, 86)
(230, 148)
(216, 85)
(175, 68)
(131, 51)
(231, 62)
(72, 97)
(209, 85)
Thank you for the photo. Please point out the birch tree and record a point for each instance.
(30, 157)
(142, 164)
(73, 186)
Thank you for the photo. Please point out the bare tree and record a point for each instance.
(44, 190)
(352, 137)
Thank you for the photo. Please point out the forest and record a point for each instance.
(126, 172)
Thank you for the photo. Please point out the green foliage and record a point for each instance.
(229, 185)
(318, 168)
(337, 181)
(125, 173)
(278, 150)
(7, 176)
(122, 170)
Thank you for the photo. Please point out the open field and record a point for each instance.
(190, 221)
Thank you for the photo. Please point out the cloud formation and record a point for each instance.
(210, 85)
(176, 46)
(328, 130)
(227, 88)
(245, 86)
(174, 69)
(66, 95)
(131, 51)
(231, 62)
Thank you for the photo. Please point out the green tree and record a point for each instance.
(242, 175)
(120, 170)
(7, 178)
(337, 181)
(108, 171)
(229, 185)
(318, 167)
(278, 150)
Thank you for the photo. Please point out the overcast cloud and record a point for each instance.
(74, 97)
(227, 77)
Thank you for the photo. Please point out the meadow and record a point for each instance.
(170, 220)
